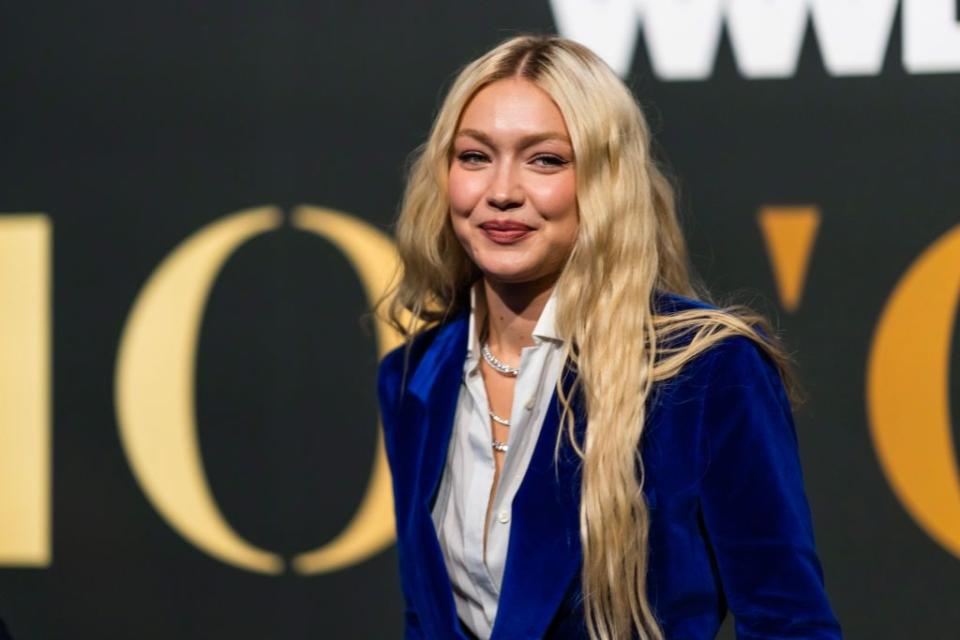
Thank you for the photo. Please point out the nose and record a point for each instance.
(505, 191)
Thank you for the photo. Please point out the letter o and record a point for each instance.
(155, 382)
(374, 257)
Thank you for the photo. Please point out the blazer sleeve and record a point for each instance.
(755, 512)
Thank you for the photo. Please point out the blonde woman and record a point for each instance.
(579, 447)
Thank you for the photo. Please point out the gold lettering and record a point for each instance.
(155, 388)
(25, 276)
(789, 234)
(374, 257)
(908, 394)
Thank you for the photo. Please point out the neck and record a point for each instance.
(512, 311)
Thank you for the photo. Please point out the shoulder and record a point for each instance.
(400, 364)
(731, 361)
(667, 303)
(403, 360)
(745, 400)
(408, 354)
(740, 400)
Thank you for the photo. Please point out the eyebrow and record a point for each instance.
(525, 141)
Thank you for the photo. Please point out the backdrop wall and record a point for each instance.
(195, 209)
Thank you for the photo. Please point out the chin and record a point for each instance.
(510, 264)
(508, 274)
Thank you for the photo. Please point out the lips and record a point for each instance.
(505, 231)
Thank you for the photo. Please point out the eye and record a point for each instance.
(546, 160)
(471, 157)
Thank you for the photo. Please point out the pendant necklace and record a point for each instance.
(506, 370)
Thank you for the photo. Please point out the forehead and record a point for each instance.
(512, 106)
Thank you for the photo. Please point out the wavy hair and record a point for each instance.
(629, 244)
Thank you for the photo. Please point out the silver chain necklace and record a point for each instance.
(500, 366)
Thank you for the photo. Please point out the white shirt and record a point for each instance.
(460, 510)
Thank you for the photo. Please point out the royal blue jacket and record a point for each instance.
(730, 528)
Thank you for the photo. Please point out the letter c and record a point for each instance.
(908, 393)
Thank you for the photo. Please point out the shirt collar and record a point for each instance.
(545, 329)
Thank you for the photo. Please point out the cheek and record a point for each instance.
(464, 189)
(556, 199)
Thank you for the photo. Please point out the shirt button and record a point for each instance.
(529, 405)
(503, 517)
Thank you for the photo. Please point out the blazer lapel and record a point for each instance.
(436, 387)
(436, 384)
(544, 552)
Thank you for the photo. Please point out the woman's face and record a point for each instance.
(512, 186)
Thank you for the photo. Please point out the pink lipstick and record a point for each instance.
(505, 231)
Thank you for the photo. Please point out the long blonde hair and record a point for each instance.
(629, 244)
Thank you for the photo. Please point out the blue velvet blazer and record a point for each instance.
(730, 526)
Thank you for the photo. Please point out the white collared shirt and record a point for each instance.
(460, 510)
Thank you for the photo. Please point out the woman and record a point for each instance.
(579, 447)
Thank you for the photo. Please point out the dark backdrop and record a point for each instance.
(132, 125)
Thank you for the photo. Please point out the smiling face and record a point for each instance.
(512, 186)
